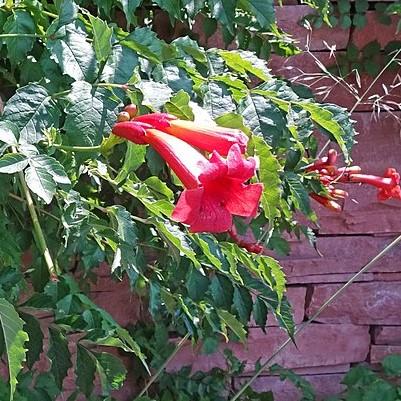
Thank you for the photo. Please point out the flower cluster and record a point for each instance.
(329, 175)
(216, 187)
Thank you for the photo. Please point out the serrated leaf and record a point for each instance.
(231, 321)
(263, 117)
(333, 121)
(299, 194)
(102, 34)
(52, 166)
(242, 302)
(59, 355)
(91, 112)
(155, 94)
(224, 12)
(236, 61)
(196, 284)
(269, 174)
(85, 370)
(129, 7)
(9, 133)
(19, 22)
(35, 343)
(74, 54)
(173, 7)
(134, 157)
(263, 10)
(12, 163)
(216, 99)
(32, 110)
(260, 312)
(178, 105)
(14, 338)
(68, 12)
(41, 183)
(392, 365)
(111, 371)
(120, 65)
(222, 291)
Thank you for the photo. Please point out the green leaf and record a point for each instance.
(52, 166)
(299, 194)
(155, 94)
(41, 183)
(134, 157)
(222, 291)
(224, 12)
(216, 99)
(269, 174)
(111, 371)
(129, 7)
(197, 285)
(14, 338)
(35, 343)
(85, 370)
(67, 12)
(146, 43)
(59, 355)
(74, 54)
(101, 38)
(263, 10)
(9, 133)
(263, 117)
(32, 110)
(120, 65)
(334, 121)
(242, 301)
(178, 105)
(236, 61)
(90, 113)
(12, 163)
(260, 312)
(173, 7)
(19, 22)
(392, 365)
(230, 321)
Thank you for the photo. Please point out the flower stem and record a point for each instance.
(77, 148)
(39, 236)
(364, 269)
(161, 369)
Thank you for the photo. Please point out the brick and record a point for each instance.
(378, 352)
(387, 277)
(318, 345)
(374, 30)
(319, 370)
(288, 19)
(363, 303)
(387, 335)
(340, 255)
(324, 386)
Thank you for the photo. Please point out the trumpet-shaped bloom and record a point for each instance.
(388, 185)
(216, 188)
(221, 194)
(204, 137)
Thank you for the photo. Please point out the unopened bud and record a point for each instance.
(131, 109)
(123, 116)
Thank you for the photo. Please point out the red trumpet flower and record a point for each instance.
(221, 194)
(204, 137)
(215, 188)
(388, 185)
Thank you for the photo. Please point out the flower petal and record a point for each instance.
(243, 200)
(238, 167)
(156, 120)
(214, 169)
(131, 130)
(203, 212)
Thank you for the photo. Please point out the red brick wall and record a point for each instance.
(365, 323)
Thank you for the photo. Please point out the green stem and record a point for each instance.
(161, 369)
(364, 269)
(77, 148)
(40, 238)
(18, 198)
(20, 35)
